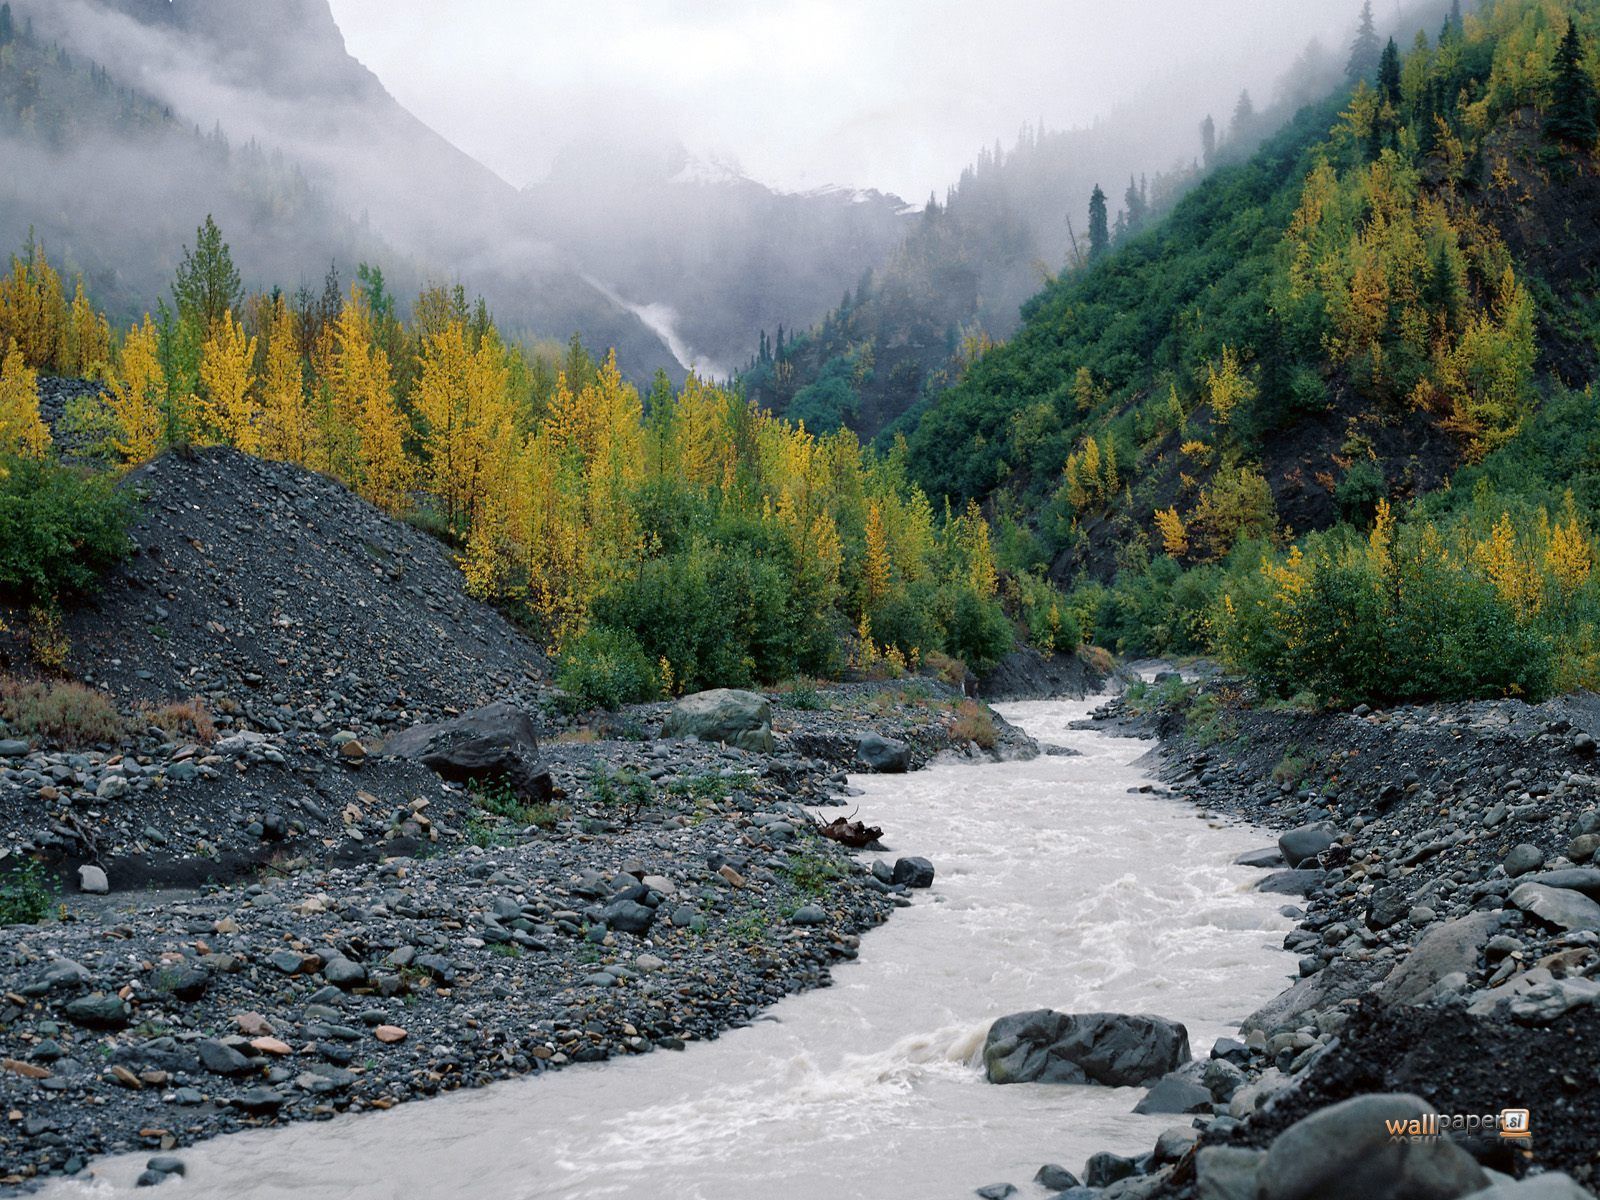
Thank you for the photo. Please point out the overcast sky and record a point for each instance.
(893, 94)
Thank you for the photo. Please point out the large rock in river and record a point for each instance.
(741, 719)
(496, 744)
(1044, 1046)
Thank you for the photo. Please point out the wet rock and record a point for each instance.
(737, 718)
(1055, 1178)
(1555, 1186)
(1298, 882)
(1104, 1169)
(259, 1101)
(886, 756)
(997, 1191)
(342, 973)
(1302, 845)
(1114, 1049)
(1346, 1150)
(810, 914)
(1175, 1093)
(913, 872)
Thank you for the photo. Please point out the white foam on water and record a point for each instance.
(1056, 888)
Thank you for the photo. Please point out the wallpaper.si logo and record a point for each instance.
(1512, 1124)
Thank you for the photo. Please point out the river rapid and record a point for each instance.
(1058, 886)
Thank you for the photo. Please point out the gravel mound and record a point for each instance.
(280, 589)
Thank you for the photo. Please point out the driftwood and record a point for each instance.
(849, 833)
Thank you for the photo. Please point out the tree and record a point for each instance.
(21, 430)
(1366, 50)
(207, 283)
(1227, 386)
(8, 31)
(1208, 142)
(1135, 205)
(1389, 76)
(1571, 118)
(287, 431)
(1099, 228)
(86, 340)
(229, 409)
(1244, 113)
(137, 394)
(33, 308)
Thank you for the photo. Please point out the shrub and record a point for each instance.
(974, 723)
(976, 629)
(60, 529)
(69, 713)
(606, 668)
(184, 718)
(25, 895)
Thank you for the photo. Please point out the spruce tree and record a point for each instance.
(1208, 141)
(1135, 207)
(1389, 75)
(1244, 113)
(207, 283)
(8, 31)
(1099, 227)
(1571, 118)
(1364, 54)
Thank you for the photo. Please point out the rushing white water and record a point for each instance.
(1056, 888)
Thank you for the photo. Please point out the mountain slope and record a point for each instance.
(1348, 316)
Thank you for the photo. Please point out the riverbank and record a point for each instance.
(1439, 862)
(670, 890)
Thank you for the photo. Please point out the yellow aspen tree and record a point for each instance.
(228, 410)
(1569, 552)
(385, 472)
(137, 394)
(287, 429)
(1084, 393)
(875, 570)
(1227, 386)
(87, 335)
(33, 309)
(1174, 537)
(22, 432)
(1110, 479)
(440, 400)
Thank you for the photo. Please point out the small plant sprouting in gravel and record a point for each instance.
(812, 873)
(25, 895)
(625, 792)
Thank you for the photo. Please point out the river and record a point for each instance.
(1057, 887)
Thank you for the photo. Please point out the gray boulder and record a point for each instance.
(1298, 882)
(629, 916)
(496, 744)
(92, 879)
(1345, 1150)
(886, 756)
(1561, 907)
(1113, 1049)
(1175, 1093)
(1227, 1173)
(1342, 979)
(1521, 859)
(98, 1011)
(1300, 846)
(1555, 1186)
(1577, 879)
(740, 719)
(913, 872)
(1444, 950)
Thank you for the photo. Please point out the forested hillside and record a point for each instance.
(1372, 328)
(1015, 220)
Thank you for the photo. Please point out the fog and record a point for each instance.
(662, 176)
(888, 94)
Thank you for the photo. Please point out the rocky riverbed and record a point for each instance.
(1440, 864)
(412, 939)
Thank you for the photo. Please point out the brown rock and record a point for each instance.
(389, 1034)
(26, 1070)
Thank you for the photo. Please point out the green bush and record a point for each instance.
(60, 529)
(976, 629)
(606, 668)
(25, 895)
